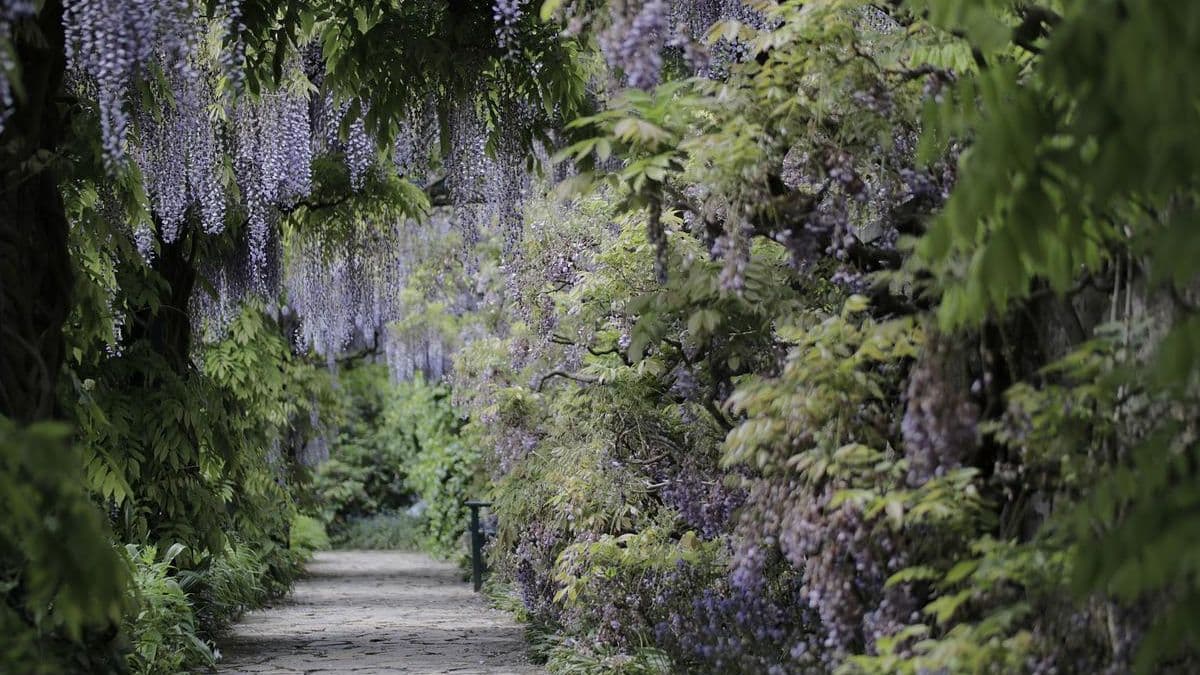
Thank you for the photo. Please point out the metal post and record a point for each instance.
(476, 543)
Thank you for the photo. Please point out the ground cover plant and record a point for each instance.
(785, 337)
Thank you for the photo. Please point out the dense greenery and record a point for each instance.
(909, 389)
(786, 337)
(399, 469)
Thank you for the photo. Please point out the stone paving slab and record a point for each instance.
(368, 612)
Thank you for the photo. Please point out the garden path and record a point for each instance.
(377, 612)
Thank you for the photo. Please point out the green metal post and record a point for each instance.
(476, 543)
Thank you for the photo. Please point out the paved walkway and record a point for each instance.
(377, 612)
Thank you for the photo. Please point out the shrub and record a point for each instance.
(382, 531)
(400, 443)
(163, 629)
(241, 578)
(308, 534)
(225, 586)
(365, 473)
(61, 583)
(443, 470)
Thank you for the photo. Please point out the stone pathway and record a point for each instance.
(377, 612)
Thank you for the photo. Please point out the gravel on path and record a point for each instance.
(377, 612)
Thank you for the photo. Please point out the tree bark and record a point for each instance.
(35, 268)
(168, 329)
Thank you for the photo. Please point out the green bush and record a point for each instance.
(225, 586)
(382, 531)
(444, 469)
(61, 584)
(400, 443)
(164, 629)
(308, 534)
(365, 473)
(179, 613)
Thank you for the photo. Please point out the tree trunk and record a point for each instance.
(35, 266)
(168, 329)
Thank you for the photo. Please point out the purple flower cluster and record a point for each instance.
(877, 100)
(11, 11)
(755, 620)
(411, 351)
(109, 42)
(415, 141)
(513, 445)
(634, 46)
(841, 561)
(349, 289)
(273, 163)
(143, 238)
(705, 505)
(178, 152)
(733, 249)
(507, 13)
(752, 620)
(534, 563)
(496, 184)
(359, 150)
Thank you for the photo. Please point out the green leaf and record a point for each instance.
(549, 7)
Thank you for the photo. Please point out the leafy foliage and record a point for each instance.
(382, 531)
(59, 571)
(308, 534)
(164, 628)
(443, 466)
(367, 467)
(399, 450)
(165, 155)
(936, 391)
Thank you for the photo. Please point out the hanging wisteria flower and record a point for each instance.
(507, 13)
(415, 143)
(273, 162)
(351, 290)
(143, 237)
(178, 154)
(636, 46)
(109, 43)
(359, 153)
(357, 149)
(11, 11)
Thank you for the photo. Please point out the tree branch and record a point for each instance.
(316, 206)
(1036, 22)
(565, 341)
(566, 375)
(720, 418)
